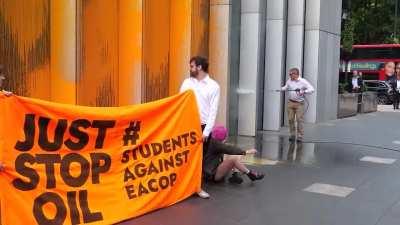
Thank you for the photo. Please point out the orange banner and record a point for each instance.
(68, 164)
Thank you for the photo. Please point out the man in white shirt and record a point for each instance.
(207, 94)
(297, 87)
(356, 82)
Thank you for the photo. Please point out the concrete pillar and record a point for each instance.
(250, 65)
(219, 51)
(294, 40)
(295, 35)
(321, 57)
(274, 64)
(63, 51)
(234, 61)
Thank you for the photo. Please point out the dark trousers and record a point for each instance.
(205, 177)
(396, 99)
(205, 144)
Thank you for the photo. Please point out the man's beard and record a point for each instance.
(194, 74)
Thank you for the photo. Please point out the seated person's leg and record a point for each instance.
(224, 168)
(233, 161)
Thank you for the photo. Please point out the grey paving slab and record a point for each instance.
(330, 155)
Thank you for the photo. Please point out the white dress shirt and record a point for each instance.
(207, 93)
(300, 83)
(354, 81)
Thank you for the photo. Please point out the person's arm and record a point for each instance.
(284, 88)
(7, 93)
(213, 113)
(184, 86)
(308, 88)
(223, 148)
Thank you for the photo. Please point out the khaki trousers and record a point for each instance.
(296, 114)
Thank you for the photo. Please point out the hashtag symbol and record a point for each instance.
(132, 133)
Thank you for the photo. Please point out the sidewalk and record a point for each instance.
(347, 172)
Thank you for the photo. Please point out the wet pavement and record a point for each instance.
(346, 172)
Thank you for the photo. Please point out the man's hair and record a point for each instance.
(390, 62)
(295, 69)
(200, 61)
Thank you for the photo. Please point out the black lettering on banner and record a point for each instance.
(88, 216)
(49, 197)
(157, 148)
(102, 125)
(73, 207)
(193, 138)
(135, 151)
(130, 190)
(167, 146)
(169, 163)
(172, 178)
(152, 169)
(145, 152)
(132, 133)
(128, 175)
(49, 160)
(83, 138)
(185, 137)
(125, 156)
(65, 170)
(44, 142)
(161, 165)
(151, 187)
(62, 210)
(26, 172)
(98, 167)
(142, 190)
(164, 182)
(176, 142)
(186, 154)
(156, 166)
(178, 159)
(29, 130)
(140, 170)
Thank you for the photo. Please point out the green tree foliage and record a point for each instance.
(374, 21)
(348, 35)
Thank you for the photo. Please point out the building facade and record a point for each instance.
(120, 52)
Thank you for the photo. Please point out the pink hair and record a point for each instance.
(219, 133)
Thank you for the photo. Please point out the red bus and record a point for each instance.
(369, 59)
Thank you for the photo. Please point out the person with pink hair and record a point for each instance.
(215, 167)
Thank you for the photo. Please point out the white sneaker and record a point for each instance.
(203, 194)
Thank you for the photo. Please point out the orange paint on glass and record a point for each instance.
(156, 30)
(200, 27)
(180, 36)
(130, 51)
(97, 81)
(25, 46)
(63, 51)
